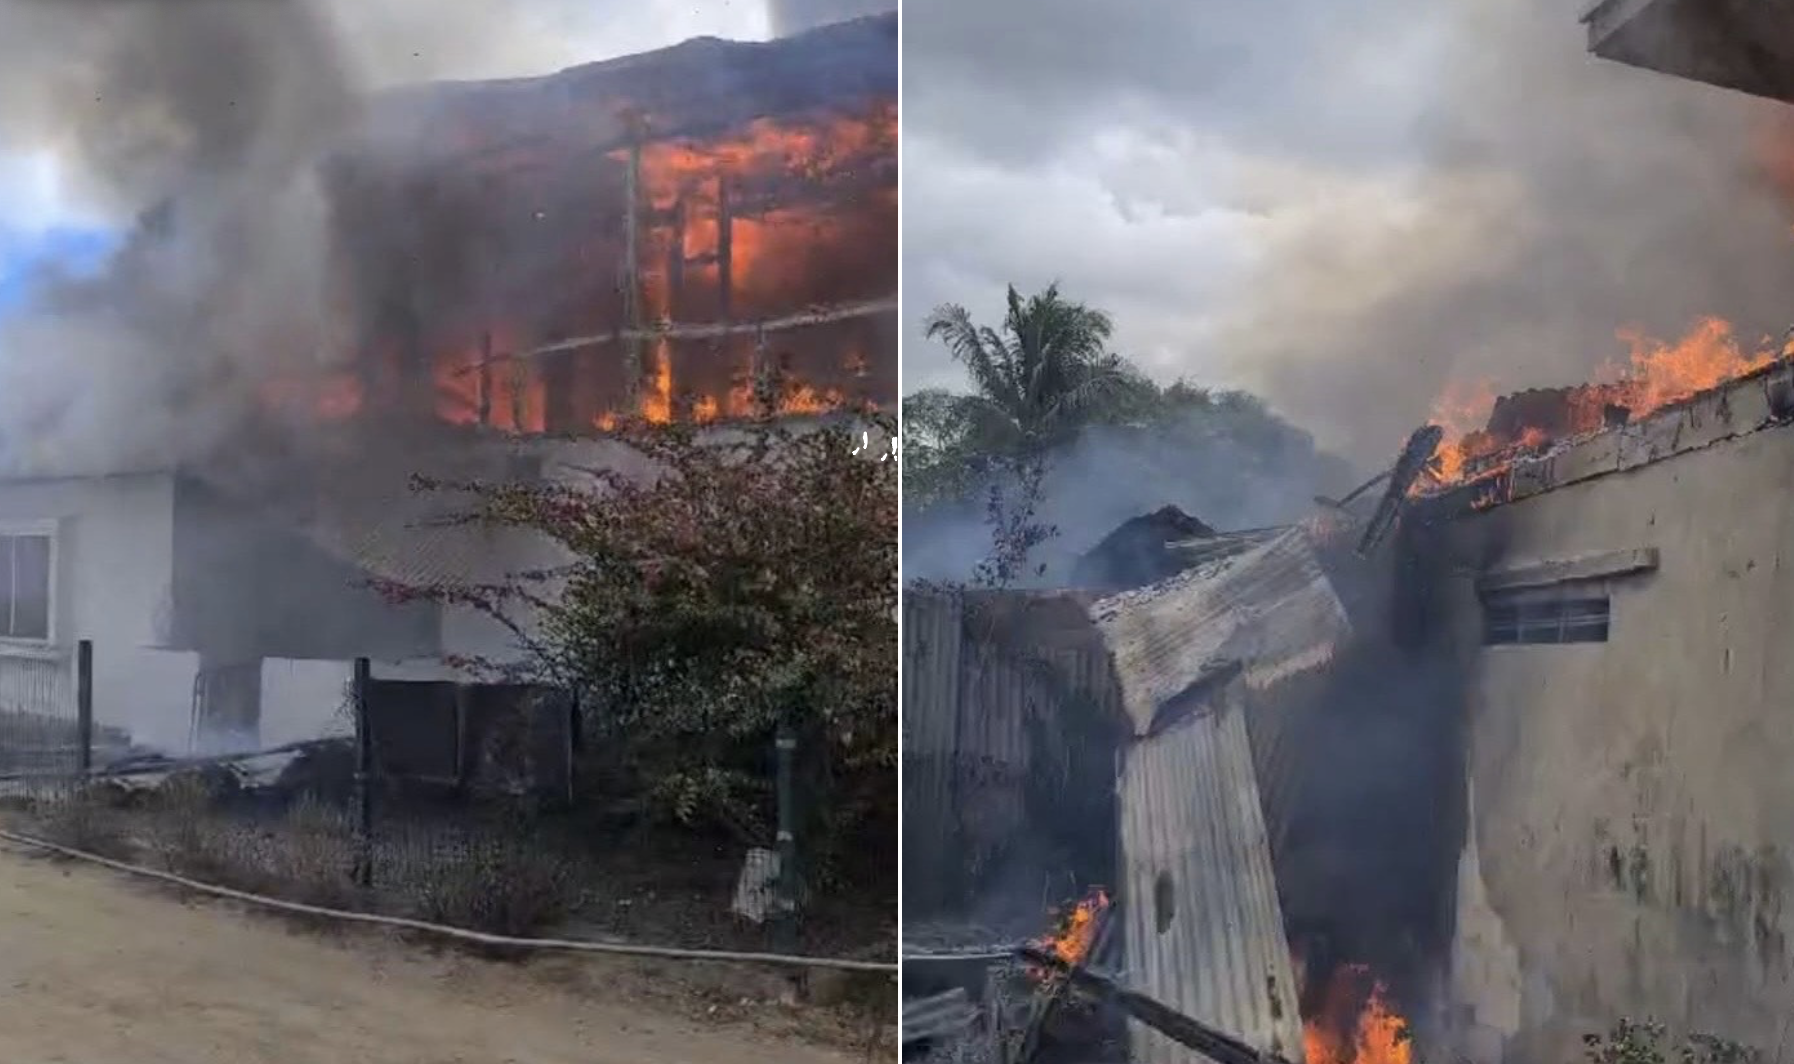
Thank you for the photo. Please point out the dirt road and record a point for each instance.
(99, 969)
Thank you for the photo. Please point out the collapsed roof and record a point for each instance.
(1267, 609)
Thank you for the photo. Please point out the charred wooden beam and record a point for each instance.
(1061, 982)
(676, 259)
(1416, 455)
(672, 331)
(631, 272)
(1217, 1045)
(485, 399)
(725, 246)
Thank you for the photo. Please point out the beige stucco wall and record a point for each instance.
(1633, 802)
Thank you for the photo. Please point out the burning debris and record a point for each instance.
(1351, 1021)
(1486, 433)
(1078, 929)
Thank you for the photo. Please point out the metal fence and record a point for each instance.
(454, 803)
(47, 733)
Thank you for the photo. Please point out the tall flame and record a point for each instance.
(1357, 1024)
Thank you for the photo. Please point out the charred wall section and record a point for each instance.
(713, 184)
(245, 587)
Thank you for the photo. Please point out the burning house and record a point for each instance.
(1484, 763)
(699, 234)
(1511, 739)
(1614, 607)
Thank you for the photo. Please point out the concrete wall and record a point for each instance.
(116, 572)
(1632, 828)
(114, 558)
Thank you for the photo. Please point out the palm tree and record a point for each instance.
(1039, 378)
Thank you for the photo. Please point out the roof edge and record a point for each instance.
(1759, 400)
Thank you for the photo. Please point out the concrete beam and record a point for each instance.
(1745, 45)
(1604, 565)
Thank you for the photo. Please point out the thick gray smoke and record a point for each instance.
(1230, 472)
(198, 125)
(1559, 198)
(795, 16)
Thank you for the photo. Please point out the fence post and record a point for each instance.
(84, 706)
(364, 768)
(787, 840)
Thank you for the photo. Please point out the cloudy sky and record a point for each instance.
(1342, 206)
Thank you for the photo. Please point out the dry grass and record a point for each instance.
(504, 886)
(85, 819)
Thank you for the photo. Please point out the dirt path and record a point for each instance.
(96, 969)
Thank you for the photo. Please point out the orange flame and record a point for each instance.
(722, 236)
(1356, 1024)
(1656, 374)
(1076, 934)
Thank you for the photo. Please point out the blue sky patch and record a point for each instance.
(24, 254)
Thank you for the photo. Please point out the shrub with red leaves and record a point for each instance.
(753, 579)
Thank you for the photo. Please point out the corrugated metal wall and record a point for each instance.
(1204, 931)
(978, 718)
(932, 626)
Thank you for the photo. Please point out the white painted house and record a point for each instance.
(229, 618)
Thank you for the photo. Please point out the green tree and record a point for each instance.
(753, 578)
(1037, 379)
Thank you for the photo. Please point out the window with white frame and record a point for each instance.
(26, 564)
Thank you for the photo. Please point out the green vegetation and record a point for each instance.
(1646, 1042)
(751, 584)
(1045, 379)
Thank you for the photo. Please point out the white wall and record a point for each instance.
(304, 700)
(114, 568)
(1632, 843)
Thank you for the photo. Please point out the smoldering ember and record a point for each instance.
(376, 551)
(1487, 758)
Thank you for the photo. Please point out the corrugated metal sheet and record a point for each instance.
(933, 624)
(1200, 658)
(1202, 927)
(1270, 608)
(37, 687)
(979, 716)
(931, 649)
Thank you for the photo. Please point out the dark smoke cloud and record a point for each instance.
(795, 16)
(196, 126)
(198, 123)
(1343, 206)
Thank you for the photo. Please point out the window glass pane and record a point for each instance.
(31, 587)
(1541, 623)
(1537, 634)
(1588, 632)
(1585, 610)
